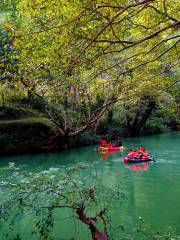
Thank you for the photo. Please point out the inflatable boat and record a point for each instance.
(110, 149)
(138, 160)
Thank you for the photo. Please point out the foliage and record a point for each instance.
(43, 198)
(8, 58)
(47, 194)
(71, 53)
(80, 57)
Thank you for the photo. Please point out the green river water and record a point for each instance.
(152, 190)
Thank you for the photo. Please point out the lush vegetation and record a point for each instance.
(93, 65)
(71, 71)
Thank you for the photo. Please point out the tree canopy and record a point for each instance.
(73, 53)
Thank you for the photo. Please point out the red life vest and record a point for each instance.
(131, 154)
(145, 154)
(104, 143)
(136, 155)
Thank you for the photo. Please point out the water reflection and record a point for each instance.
(142, 167)
(107, 153)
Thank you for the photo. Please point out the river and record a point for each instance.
(152, 190)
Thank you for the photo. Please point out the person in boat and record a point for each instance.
(131, 154)
(104, 143)
(143, 153)
(110, 145)
(141, 150)
(136, 155)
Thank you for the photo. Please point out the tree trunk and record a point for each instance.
(141, 119)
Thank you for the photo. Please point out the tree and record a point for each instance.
(59, 189)
(115, 47)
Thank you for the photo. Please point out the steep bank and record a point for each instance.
(25, 135)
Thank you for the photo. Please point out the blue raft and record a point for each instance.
(127, 159)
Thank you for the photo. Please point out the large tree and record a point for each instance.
(72, 52)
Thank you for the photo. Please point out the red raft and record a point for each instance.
(110, 149)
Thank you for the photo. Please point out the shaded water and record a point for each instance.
(152, 190)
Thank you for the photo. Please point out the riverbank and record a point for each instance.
(27, 131)
(28, 135)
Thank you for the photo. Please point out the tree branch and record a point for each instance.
(166, 15)
(94, 117)
(75, 60)
(150, 61)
